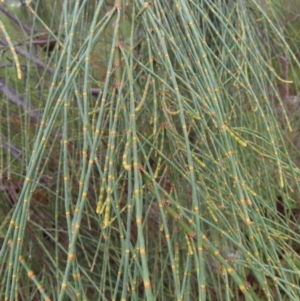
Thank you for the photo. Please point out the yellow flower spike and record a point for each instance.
(190, 249)
(107, 213)
(12, 49)
(202, 164)
(138, 108)
(236, 138)
(146, 5)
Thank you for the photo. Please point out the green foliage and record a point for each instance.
(148, 156)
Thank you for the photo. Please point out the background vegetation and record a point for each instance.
(150, 150)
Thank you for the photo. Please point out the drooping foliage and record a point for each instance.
(146, 152)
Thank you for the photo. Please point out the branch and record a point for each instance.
(17, 99)
(14, 18)
(27, 55)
